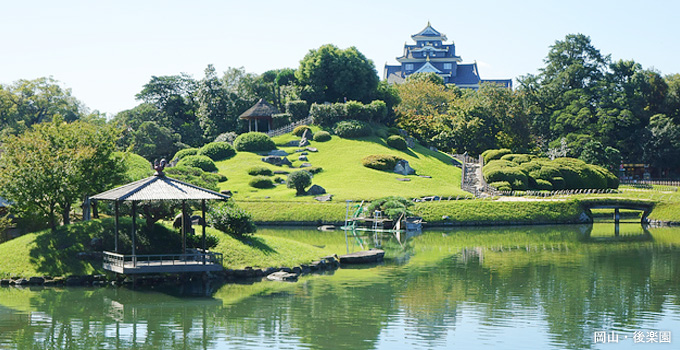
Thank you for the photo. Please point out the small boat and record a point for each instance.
(326, 228)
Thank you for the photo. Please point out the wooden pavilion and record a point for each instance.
(159, 188)
(262, 110)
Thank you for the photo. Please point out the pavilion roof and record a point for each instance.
(158, 187)
(261, 109)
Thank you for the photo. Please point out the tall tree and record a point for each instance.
(54, 164)
(333, 75)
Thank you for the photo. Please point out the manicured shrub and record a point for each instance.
(196, 241)
(392, 207)
(558, 183)
(315, 169)
(260, 170)
(393, 131)
(352, 129)
(548, 173)
(322, 136)
(185, 152)
(299, 180)
(327, 114)
(518, 158)
(298, 110)
(397, 142)
(381, 133)
(380, 161)
(493, 154)
(217, 151)
(377, 111)
(280, 120)
(226, 137)
(543, 185)
(231, 219)
(503, 170)
(253, 142)
(356, 110)
(299, 130)
(260, 181)
(501, 185)
(202, 162)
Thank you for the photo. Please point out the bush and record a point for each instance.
(196, 241)
(380, 161)
(280, 120)
(185, 152)
(260, 170)
(393, 131)
(356, 110)
(226, 137)
(327, 114)
(196, 176)
(299, 180)
(322, 136)
(197, 161)
(503, 170)
(299, 130)
(315, 169)
(494, 154)
(381, 133)
(230, 219)
(253, 142)
(217, 151)
(377, 111)
(298, 110)
(392, 206)
(558, 183)
(543, 185)
(352, 129)
(501, 185)
(518, 158)
(397, 142)
(260, 181)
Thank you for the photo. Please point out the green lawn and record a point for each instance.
(344, 176)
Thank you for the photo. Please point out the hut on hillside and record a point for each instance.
(261, 111)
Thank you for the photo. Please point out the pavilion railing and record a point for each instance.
(288, 128)
(194, 257)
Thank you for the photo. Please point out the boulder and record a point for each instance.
(304, 141)
(326, 198)
(405, 179)
(305, 165)
(276, 160)
(21, 282)
(226, 193)
(312, 149)
(403, 168)
(303, 158)
(283, 276)
(277, 152)
(410, 142)
(292, 143)
(304, 153)
(36, 281)
(280, 172)
(5, 282)
(316, 190)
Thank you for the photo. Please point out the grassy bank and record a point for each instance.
(58, 253)
(478, 212)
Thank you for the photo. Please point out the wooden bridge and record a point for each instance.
(618, 204)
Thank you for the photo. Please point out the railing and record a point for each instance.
(288, 128)
(193, 258)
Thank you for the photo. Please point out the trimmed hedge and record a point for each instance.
(280, 120)
(260, 170)
(185, 152)
(518, 158)
(503, 170)
(493, 154)
(299, 130)
(254, 142)
(322, 136)
(298, 110)
(352, 129)
(380, 161)
(260, 181)
(397, 142)
(217, 151)
(197, 161)
(501, 185)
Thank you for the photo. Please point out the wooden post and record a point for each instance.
(116, 222)
(617, 216)
(184, 227)
(134, 232)
(203, 228)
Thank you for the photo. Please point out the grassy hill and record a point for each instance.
(344, 176)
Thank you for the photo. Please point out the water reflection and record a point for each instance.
(541, 287)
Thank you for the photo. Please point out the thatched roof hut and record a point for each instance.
(261, 110)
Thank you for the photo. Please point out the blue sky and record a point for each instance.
(105, 51)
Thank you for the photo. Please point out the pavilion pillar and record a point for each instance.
(250, 125)
(115, 228)
(256, 122)
(203, 228)
(134, 232)
(184, 227)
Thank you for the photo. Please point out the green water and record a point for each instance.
(547, 287)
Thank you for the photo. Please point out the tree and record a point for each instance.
(299, 180)
(333, 75)
(27, 102)
(51, 166)
(154, 142)
(662, 143)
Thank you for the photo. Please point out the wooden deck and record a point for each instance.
(152, 264)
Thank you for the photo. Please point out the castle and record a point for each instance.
(431, 53)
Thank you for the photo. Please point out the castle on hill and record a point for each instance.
(431, 53)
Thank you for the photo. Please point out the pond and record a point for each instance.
(543, 287)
